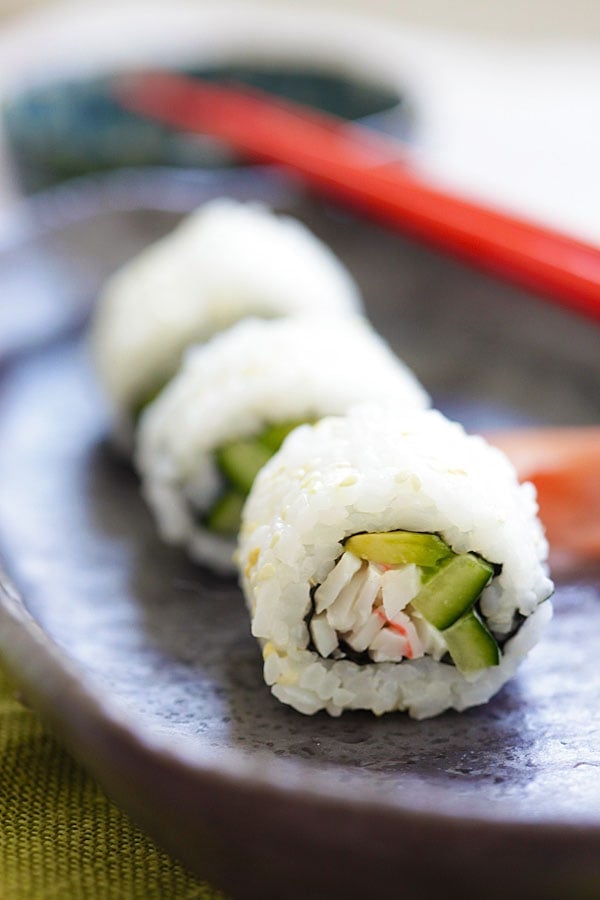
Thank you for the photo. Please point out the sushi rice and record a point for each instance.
(378, 470)
(258, 373)
(225, 261)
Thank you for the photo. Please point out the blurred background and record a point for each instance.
(536, 18)
(499, 99)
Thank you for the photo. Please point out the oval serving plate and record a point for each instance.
(144, 665)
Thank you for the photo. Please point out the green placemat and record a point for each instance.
(60, 836)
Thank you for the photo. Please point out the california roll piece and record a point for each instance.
(225, 261)
(201, 443)
(391, 562)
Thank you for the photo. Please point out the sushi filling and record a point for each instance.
(140, 405)
(238, 464)
(379, 604)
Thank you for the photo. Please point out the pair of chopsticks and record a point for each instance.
(370, 172)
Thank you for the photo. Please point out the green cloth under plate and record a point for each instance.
(60, 836)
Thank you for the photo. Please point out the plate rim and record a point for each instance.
(45, 673)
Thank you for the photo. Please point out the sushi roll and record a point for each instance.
(225, 261)
(201, 443)
(390, 561)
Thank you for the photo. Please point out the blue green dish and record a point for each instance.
(71, 128)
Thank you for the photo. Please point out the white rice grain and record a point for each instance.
(226, 261)
(256, 374)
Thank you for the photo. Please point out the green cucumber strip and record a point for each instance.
(471, 645)
(453, 589)
(225, 515)
(274, 436)
(139, 406)
(399, 548)
(241, 461)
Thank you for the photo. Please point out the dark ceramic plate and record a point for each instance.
(143, 662)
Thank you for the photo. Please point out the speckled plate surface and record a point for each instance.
(144, 663)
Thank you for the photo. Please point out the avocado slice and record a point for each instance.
(470, 644)
(453, 589)
(225, 515)
(399, 548)
(241, 461)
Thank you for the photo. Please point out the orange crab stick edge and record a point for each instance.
(564, 466)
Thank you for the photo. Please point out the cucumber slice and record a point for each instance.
(471, 645)
(399, 548)
(225, 515)
(140, 405)
(241, 461)
(274, 436)
(453, 589)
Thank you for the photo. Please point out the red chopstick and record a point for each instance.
(369, 172)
